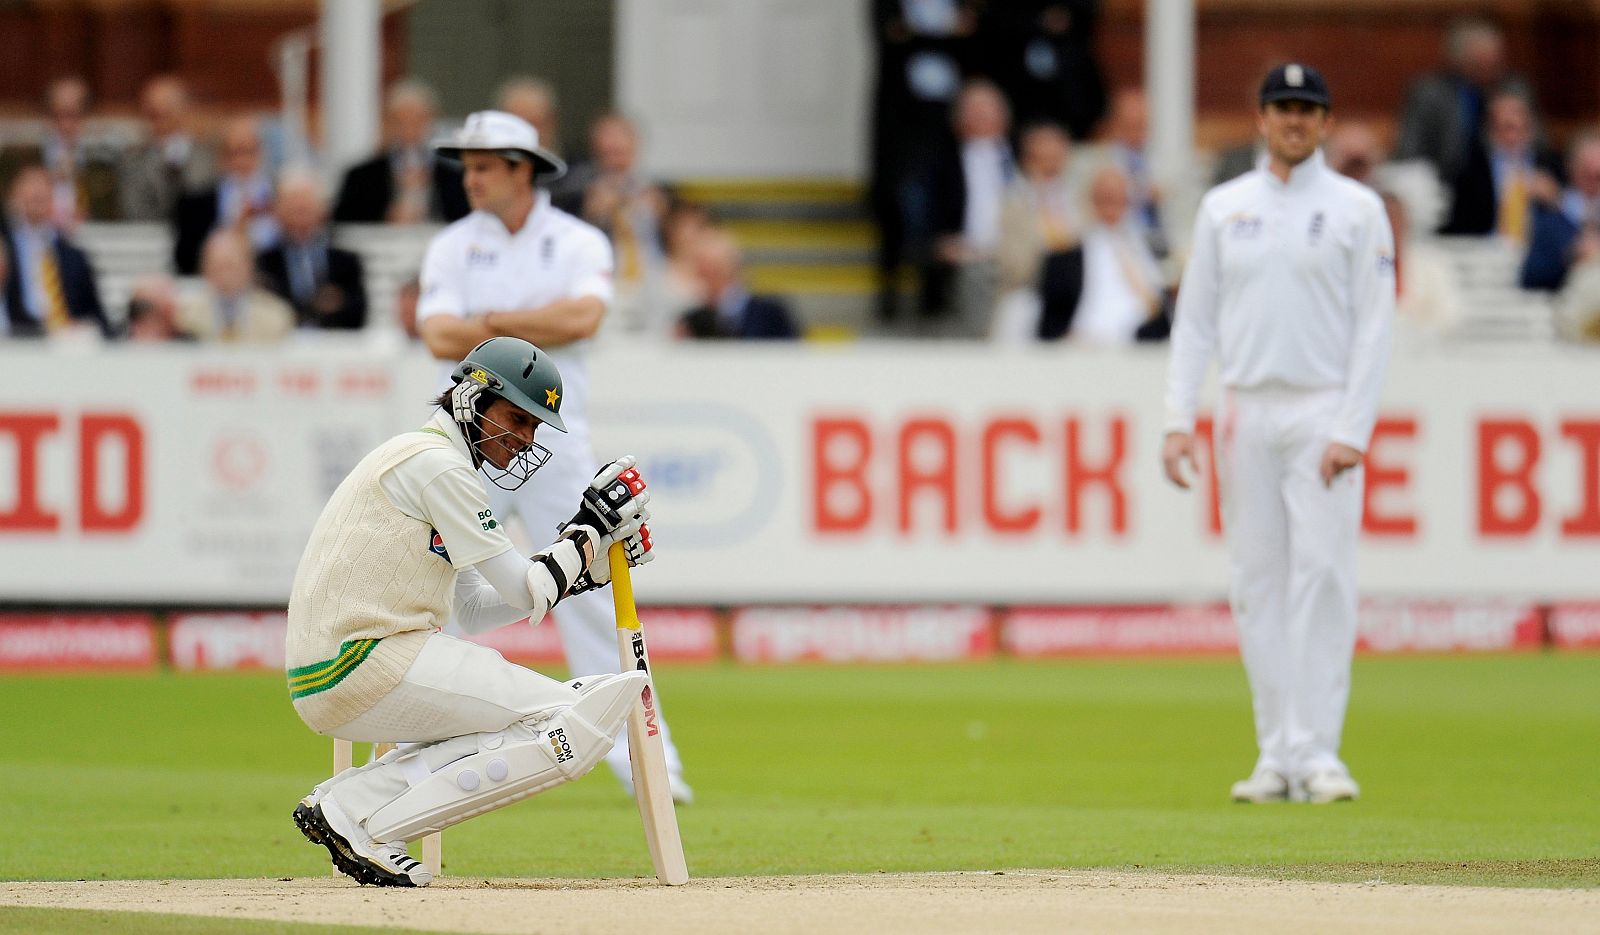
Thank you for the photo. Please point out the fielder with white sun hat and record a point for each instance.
(518, 266)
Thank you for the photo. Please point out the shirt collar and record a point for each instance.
(1301, 175)
(536, 218)
(445, 424)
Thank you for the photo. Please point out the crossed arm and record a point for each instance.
(451, 337)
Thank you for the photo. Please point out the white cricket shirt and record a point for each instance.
(1291, 284)
(476, 266)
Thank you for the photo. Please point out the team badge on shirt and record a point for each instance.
(436, 545)
(1316, 228)
(1244, 226)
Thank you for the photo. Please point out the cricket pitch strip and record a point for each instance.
(1028, 901)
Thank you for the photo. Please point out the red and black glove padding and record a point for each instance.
(615, 496)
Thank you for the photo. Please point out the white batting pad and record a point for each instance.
(526, 758)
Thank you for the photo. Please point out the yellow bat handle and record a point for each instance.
(622, 588)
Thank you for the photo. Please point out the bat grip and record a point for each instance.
(622, 588)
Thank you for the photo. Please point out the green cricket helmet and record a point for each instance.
(519, 373)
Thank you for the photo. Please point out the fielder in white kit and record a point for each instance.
(407, 542)
(520, 267)
(1291, 283)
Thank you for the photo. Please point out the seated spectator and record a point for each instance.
(534, 100)
(730, 310)
(1039, 251)
(968, 191)
(1352, 150)
(1427, 296)
(676, 287)
(240, 201)
(231, 307)
(619, 198)
(1128, 135)
(83, 177)
(51, 286)
(153, 311)
(1494, 191)
(1562, 217)
(405, 183)
(685, 223)
(1445, 112)
(170, 163)
(325, 285)
(1124, 294)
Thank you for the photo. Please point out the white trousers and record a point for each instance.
(587, 622)
(1292, 546)
(454, 691)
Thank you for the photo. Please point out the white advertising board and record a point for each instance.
(893, 473)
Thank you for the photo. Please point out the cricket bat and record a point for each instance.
(645, 749)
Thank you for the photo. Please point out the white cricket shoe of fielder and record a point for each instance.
(1264, 785)
(531, 755)
(354, 852)
(1329, 785)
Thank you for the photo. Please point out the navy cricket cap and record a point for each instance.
(1295, 82)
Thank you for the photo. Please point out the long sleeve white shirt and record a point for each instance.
(1290, 284)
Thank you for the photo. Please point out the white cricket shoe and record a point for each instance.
(1264, 785)
(1329, 785)
(354, 852)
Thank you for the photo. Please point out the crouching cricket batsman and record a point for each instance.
(406, 543)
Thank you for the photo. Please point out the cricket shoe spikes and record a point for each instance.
(354, 853)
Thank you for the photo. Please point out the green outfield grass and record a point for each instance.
(1475, 769)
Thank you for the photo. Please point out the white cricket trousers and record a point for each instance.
(1292, 548)
(453, 691)
(587, 622)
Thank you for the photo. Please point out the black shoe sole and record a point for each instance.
(315, 827)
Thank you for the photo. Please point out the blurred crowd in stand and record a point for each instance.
(255, 246)
(1009, 187)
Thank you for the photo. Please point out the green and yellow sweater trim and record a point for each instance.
(321, 676)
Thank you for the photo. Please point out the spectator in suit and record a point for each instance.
(1042, 55)
(241, 199)
(83, 177)
(153, 311)
(730, 310)
(1352, 150)
(1127, 136)
(1566, 222)
(405, 183)
(325, 285)
(1124, 292)
(1446, 112)
(171, 162)
(231, 307)
(1039, 251)
(924, 47)
(968, 192)
(1494, 192)
(51, 285)
(621, 200)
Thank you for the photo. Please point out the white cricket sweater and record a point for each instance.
(1291, 284)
